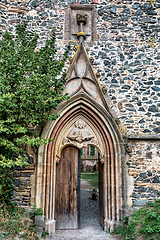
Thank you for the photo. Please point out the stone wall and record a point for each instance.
(144, 167)
(128, 59)
(127, 56)
(24, 182)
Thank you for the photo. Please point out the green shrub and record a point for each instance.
(144, 223)
(44, 234)
(6, 185)
(16, 221)
(36, 212)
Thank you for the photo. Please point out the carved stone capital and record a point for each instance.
(102, 159)
(128, 148)
(57, 159)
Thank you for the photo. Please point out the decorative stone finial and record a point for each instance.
(81, 34)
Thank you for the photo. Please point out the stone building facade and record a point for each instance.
(123, 39)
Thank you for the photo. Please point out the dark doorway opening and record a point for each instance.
(91, 192)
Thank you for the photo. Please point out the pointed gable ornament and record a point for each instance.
(81, 76)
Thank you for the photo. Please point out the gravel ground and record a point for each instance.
(90, 228)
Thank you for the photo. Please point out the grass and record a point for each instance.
(91, 178)
(144, 224)
(16, 221)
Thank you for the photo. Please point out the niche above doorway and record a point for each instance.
(72, 27)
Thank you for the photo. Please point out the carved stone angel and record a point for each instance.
(80, 133)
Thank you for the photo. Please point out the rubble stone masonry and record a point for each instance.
(127, 56)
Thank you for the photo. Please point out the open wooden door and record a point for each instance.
(67, 190)
(101, 193)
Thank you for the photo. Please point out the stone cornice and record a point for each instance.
(144, 137)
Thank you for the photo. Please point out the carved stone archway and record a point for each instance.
(103, 130)
(85, 118)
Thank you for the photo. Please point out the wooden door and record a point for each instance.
(67, 190)
(101, 194)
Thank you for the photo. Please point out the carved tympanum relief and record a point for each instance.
(80, 135)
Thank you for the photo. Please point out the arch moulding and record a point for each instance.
(83, 122)
(85, 118)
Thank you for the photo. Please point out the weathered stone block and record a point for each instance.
(140, 202)
(155, 179)
(156, 130)
(40, 221)
(34, 3)
(17, 182)
(153, 108)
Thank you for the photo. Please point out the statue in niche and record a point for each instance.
(80, 133)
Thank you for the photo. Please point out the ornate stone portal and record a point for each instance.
(84, 119)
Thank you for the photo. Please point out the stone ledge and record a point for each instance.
(144, 137)
(82, 6)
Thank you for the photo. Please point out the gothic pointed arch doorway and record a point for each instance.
(81, 123)
(84, 119)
